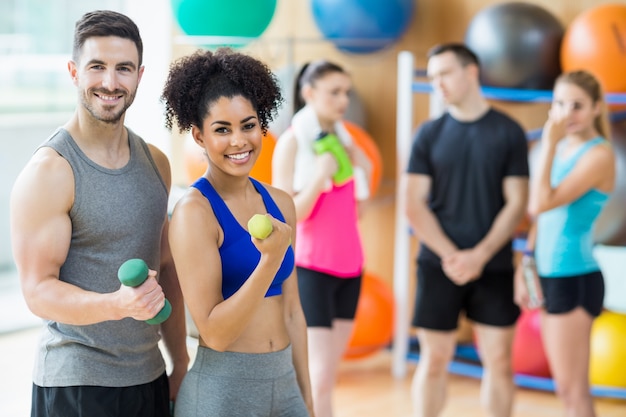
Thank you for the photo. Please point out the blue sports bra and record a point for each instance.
(239, 255)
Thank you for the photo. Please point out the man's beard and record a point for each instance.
(106, 116)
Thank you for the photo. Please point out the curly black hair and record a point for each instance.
(197, 81)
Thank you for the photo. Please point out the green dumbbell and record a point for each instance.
(133, 273)
(328, 142)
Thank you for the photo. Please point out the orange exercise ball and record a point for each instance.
(262, 169)
(594, 41)
(367, 144)
(608, 350)
(195, 160)
(373, 323)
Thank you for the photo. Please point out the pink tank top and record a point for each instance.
(328, 240)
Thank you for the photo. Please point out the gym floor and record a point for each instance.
(365, 387)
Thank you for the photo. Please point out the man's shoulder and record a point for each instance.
(132, 135)
(501, 124)
(432, 126)
(438, 120)
(60, 134)
(502, 117)
(150, 148)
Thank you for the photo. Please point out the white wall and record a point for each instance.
(145, 116)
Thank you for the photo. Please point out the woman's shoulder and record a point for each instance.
(600, 157)
(286, 144)
(283, 200)
(280, 196)
(287, 135)
(603, 149)
(191, 205)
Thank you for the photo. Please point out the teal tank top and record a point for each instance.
(564, 244)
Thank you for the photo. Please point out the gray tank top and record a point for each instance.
(117, 214)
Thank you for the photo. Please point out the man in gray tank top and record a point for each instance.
(93, 195)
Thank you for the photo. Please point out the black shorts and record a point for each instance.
(564, 294)
(146, 400)
(439, 301)
(326, 297)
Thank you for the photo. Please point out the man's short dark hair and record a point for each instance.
(465, 55)
(105, 23)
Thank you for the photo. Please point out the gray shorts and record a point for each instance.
(241, 384)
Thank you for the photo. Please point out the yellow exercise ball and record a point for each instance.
(608, 350)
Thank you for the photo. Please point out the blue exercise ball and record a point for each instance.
(362, 26)
(518, 45)
(233, 18)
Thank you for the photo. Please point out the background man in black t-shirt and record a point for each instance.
(466, 188)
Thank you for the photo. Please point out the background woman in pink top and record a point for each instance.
(326, 187)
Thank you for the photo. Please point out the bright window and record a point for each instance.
(35, 45)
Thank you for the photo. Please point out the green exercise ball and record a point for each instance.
(237, 18)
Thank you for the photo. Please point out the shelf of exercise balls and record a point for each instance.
(522, 96)
(512, 94)
(525, 96)
(465, 362)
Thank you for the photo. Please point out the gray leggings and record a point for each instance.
(241, 384)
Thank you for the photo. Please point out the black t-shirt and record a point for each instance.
(467, 162)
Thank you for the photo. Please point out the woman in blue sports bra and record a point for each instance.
(574, 176)
(241, 292)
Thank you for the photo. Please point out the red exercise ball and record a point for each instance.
(594, 41)
(373, 323)
(529, 357)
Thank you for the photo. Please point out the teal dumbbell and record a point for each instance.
(133, 273)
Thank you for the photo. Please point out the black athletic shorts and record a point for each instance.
(326, 297)
(146, 400)
(439, 301)
(564, 294)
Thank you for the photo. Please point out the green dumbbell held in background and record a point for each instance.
(133, 273)
(328, 142)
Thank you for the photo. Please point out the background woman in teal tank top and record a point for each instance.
(574, 176)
